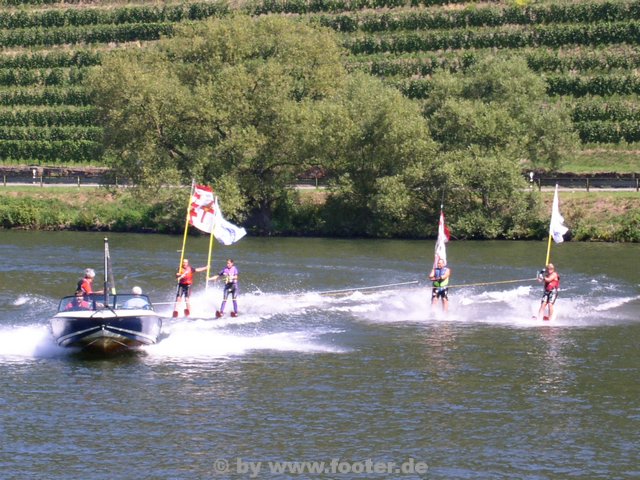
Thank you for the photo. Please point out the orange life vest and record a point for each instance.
(86, 286)
(553, 284)
(187, 278)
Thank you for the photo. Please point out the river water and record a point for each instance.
(359, 383)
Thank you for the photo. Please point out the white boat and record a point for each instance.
(106, 323)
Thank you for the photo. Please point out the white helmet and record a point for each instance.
(89, 273)
(136, 291)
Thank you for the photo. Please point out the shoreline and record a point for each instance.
(596, 216)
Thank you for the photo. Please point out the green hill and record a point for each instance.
(587, 52)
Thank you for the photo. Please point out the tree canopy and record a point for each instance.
(248, 104)
(228, 102)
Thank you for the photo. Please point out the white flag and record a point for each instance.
(556, 227)
(224, 231)
(443, 238)
(202, 213)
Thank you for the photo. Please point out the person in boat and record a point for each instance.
(185, 281)
(136, 301)
(86, 283)
(78, 302)
(230, 275)
(440, 278)
(551, 280)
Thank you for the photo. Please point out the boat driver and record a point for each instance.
(78, 302)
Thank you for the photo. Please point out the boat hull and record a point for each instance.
(106, 331)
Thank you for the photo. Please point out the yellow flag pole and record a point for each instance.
(548, 251)
(209, 258)
(186, 225)
(184, 244)
(550, 221)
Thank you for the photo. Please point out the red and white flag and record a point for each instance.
(443, 238)
(205, 214)
(202, 213)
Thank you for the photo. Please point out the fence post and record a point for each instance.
(41, 181)
(587, 184)
(5, 180)
(78, 181)
(637, 184)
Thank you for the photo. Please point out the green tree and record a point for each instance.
(373, 136)
(228, 101)
(246, 105)
(500, 105)
(490, 123)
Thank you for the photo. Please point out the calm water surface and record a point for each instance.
(358, 378)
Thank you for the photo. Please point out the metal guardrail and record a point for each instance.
(630, 182)
(42, 181)
(627, 182)
(60, 181)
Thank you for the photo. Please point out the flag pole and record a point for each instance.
(209, 257)
(186, 225)
(548, 251)
(550, 227)
(184, 244)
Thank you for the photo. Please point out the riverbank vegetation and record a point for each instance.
(404, 105)
(593, 216)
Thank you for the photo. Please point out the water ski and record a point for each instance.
(544, 318)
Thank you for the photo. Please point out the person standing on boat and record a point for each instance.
(551, 280)
(230, 274)
(440, 278)
(86, 283)
(185, 281)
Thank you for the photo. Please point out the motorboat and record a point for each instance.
(122, 322)
(107, 322)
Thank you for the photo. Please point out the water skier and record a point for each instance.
(230, 274)
(551, 281)
(185, 281)
(440, 278)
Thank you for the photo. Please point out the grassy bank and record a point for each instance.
(594, 158)
(600, 216)
(86, 208)
(592, 216)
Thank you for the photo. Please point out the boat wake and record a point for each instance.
(313, 323)
(206, 340)
(28, 341)
(267, 322)
(517, 306)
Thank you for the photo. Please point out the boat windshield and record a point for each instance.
(126, 301)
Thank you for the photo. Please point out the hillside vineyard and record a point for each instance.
(587, 52)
